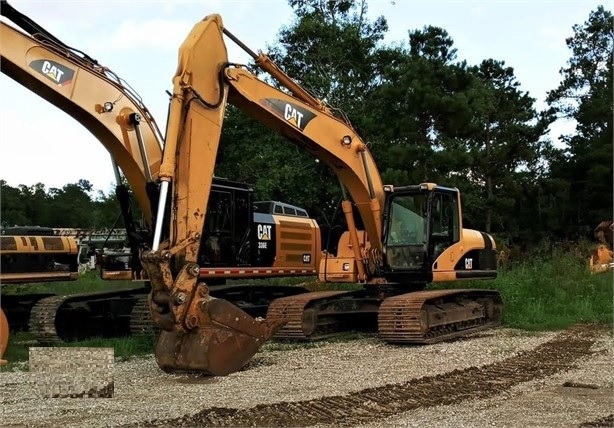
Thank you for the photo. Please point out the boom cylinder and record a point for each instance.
(160, 217)
(349, 218)
(136, 121)
(264, 62)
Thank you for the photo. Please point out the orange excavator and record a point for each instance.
(242, 239)
(602, 258)
(411, 235)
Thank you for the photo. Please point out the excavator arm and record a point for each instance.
(198, 332)
(329, 139)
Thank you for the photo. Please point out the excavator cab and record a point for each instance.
(422, 224)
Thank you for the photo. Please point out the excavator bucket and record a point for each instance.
(224, 341)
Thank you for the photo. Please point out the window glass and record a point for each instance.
(407, 224)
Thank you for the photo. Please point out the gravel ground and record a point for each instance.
(283, 373)
(567, 399)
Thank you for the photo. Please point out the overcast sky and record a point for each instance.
(138, 40)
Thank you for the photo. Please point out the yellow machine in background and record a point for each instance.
(602, 257)
(37, 258)
(34, 255)
(4, 336)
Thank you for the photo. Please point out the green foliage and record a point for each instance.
(89, 281)
(331, 50)
(70, 206)
(585, 95)
(555, 295)
(506, 144)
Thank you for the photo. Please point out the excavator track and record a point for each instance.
(42, 320)
(252, 299)
(319, 314)
(141, 322)
(18, 307)
(59, 319)
(431, 316)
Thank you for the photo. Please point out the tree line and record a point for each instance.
(427, 115)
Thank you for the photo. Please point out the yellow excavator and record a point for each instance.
(242, 239)
(412, 235)
(35, 254)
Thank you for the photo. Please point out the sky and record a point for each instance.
(139, 41)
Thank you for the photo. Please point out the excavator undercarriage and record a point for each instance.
(417, 317)
(55, 319)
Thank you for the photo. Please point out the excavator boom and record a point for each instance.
(113, 113)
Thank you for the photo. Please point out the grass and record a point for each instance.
(545, 293)
(125, 348)
(89, 281)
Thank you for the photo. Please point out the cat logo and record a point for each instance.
(53, 71)
(293, 116)
(468, 264)
(264, 232)
(290, 112)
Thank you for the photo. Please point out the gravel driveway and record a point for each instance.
(502, 377)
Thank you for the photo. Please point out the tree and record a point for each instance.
(471, 127)
(421, 112)
(13, 205)
(70, 206)
(507, 143)
(585, 95)
(329, 49)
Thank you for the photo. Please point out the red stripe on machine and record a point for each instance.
(208, 272)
